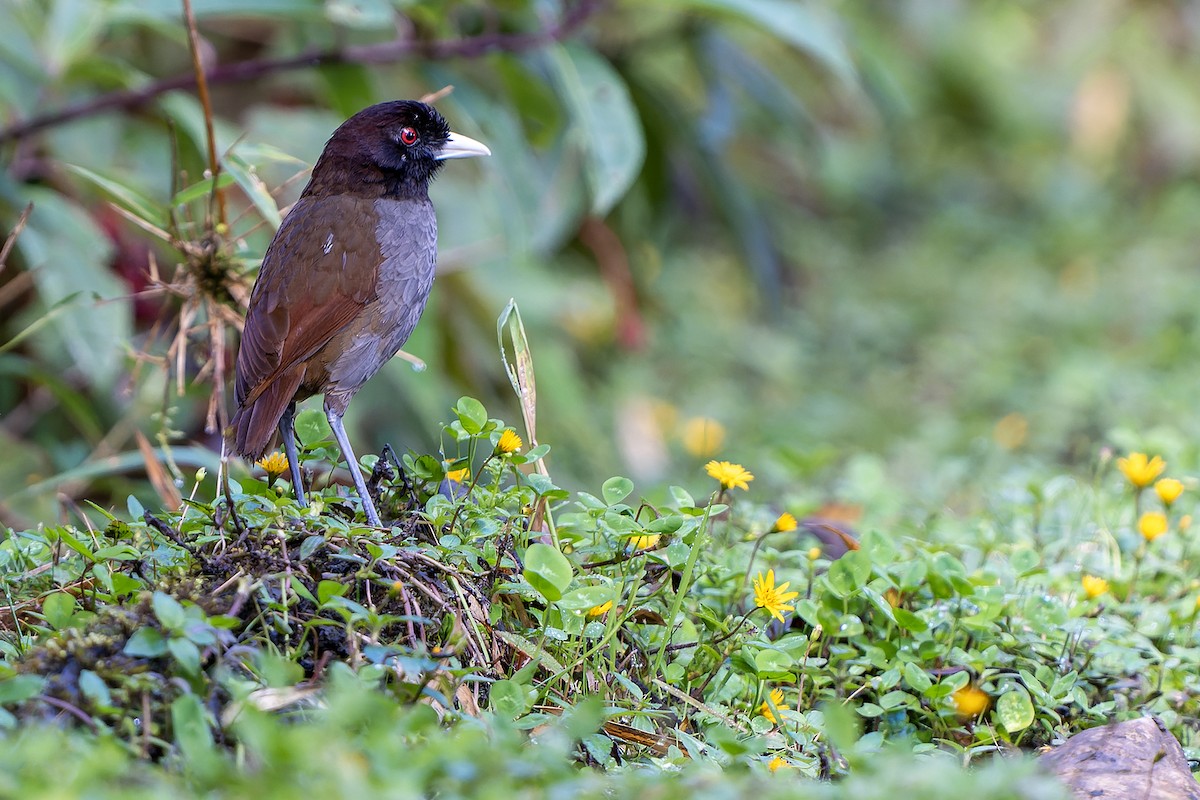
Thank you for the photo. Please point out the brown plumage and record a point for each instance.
(345, 279)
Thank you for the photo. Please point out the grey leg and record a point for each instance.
(360, 485)
(287, 429)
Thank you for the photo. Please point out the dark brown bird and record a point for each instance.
(346, 278)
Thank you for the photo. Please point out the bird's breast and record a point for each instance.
(406, 233)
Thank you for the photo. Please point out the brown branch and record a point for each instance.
(12, 237)
(380, 53)
(214, 166)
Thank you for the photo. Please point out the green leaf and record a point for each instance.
(841, 726)
(203, 188)
(168, 610)
(186, 655)
(909, 621)
(773, 663)
(247, 178)
(471, 414)
(681, 497)
(603, 121)
(806, 26)
(75, 544)
(68, 257)
(72, 30)
(310, 545)
(21, 688)
(848, 625)
(146, 643)
(312, 426)
(668, 524)
(58, 608)
(616, 489)
(189, 721)
(511, 699)
(585, 598)
(917, 678)
(547, 570)
(1025, 561)
(94, 688)
(142, 207)
(328, 589)
(1014, 710)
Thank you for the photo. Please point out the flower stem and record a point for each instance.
(685, 582)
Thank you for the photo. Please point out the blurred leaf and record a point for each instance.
(366, 14)
(147, 643)
(127, 196)
(350, 87)
(312, 426)
(808, 26)
(604, 123)
(58, 608)
(538, 110)
(1014, 710)
(168, 610)
(69, 256)
(20, 687)
(72, 30)
(202, 188)
(189, 720)
(255, 189)
(169, 9)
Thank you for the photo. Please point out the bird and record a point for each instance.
(345, 280)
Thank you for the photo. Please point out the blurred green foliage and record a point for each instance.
(858, 236)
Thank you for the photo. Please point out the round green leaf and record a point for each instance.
(471, 414)
(585, 597)
(547, 570)
(616, 489)
(510, 698)
(1014, 710)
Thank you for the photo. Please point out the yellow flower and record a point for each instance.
(1093, 587)
(730, 476)
(1140, 470)
(274, 465)
(1168, 490)
(971, 701)
(1152, 525)
(771, 597)
(1185, 522)
(775, 763)
(894, 597)
(785, 523)
(777, 699)
(458, 475)
(814, 553)
(509, 442)
(644, 542)
(600, 610)
(1011, 431)
(703, 437)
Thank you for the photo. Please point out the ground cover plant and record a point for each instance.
(700, 632)
(860, 461)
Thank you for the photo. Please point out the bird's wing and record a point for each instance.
(318, 274)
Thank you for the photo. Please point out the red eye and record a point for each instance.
(409, 136)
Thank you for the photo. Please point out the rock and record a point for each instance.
(1138, 758)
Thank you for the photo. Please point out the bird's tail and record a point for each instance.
(255, 422)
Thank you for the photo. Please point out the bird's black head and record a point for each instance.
(388, 150)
